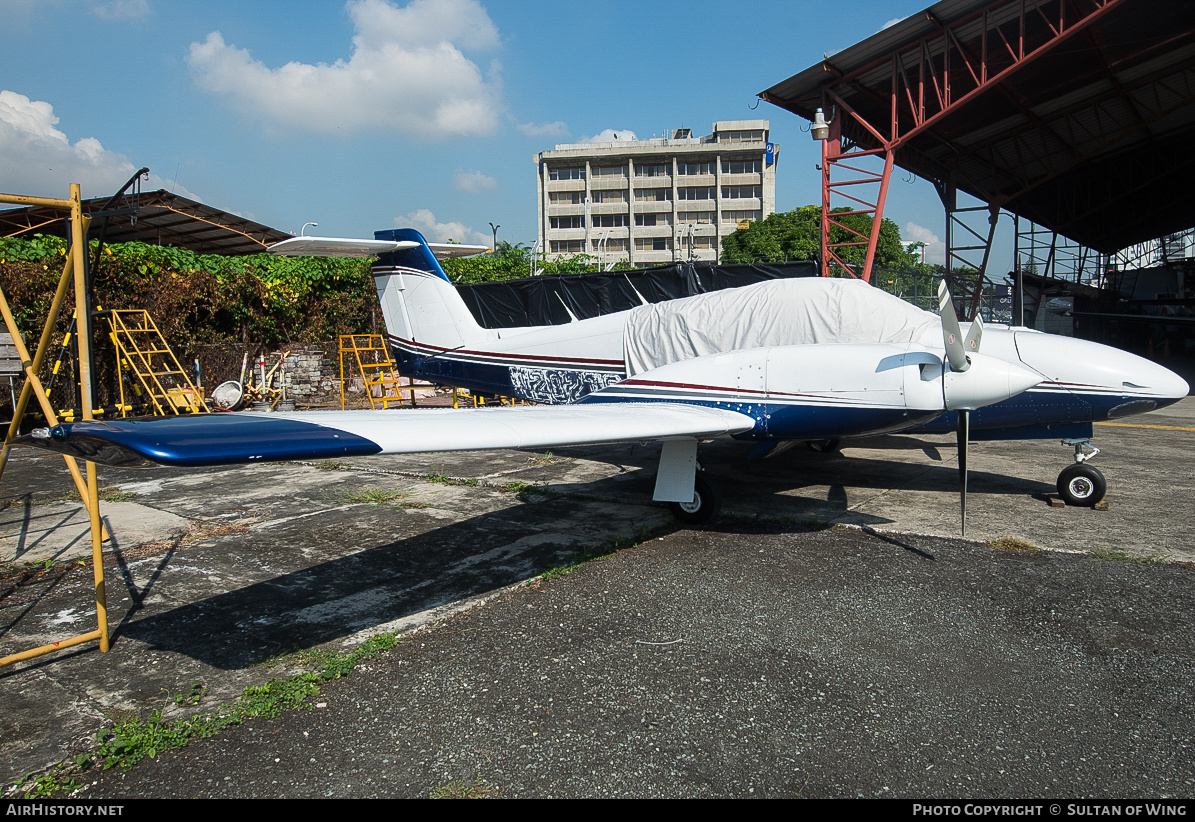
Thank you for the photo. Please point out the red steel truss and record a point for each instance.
(1031, 106)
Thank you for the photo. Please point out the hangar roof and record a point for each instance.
(162, 218)
(1076, 114)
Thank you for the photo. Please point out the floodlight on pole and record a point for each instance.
(820, 130)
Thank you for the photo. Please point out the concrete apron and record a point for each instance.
(215, 570)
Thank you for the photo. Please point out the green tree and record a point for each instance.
(796, 235)
(510, 262)
(506, 262)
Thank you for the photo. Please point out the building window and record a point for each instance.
(702, 242)
(649, 220)
(653, 244)
(566, 197)
(609, 221)
(696, 193)
(753, 136)
(741, 166)
(568, 222)
(609, 171)
(610, 245)
(577, 173)
(695, 217)
(651, 171)
(690, 169)
(739, 216)
(614, 195)
(652, 195)
(741, 192)
(567, 246)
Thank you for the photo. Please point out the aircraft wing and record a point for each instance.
(227, 439)
(341, 247)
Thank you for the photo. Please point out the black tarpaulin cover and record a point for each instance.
(541, 300)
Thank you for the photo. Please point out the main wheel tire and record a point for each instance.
(706, 504)
(1081, 484)
(824, 446)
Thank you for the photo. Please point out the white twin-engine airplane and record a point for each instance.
(802, 359)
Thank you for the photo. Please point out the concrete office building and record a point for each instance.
(655, 201)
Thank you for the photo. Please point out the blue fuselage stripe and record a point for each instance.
(1034, 414)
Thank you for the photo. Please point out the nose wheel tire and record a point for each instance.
(824, 446)
(1081, 484)
(706, 504)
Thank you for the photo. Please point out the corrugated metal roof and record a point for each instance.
(161, 218)
(1091, 137)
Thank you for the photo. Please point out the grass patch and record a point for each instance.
(594, 553)
(439, 478)
(110, 494)
(191, 697)
(1012, 545)
(377, 496)
(55, 782)
(132, 737)
(1120, 556)
(466, 790)
(333, 465)
(524, 490)
(546, 458)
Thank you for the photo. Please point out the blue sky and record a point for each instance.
(376, 113)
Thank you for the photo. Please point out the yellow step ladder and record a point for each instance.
(142, 351)
(371, 355)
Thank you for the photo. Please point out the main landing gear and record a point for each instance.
(707, 502)
(1082, 484)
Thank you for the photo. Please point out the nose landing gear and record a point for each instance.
(1082, 484)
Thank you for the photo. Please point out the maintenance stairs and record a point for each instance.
(142, 351)
(371, 356)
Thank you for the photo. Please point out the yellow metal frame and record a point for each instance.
(376, 368)
(89, 490)
(140, 345)
(497, 399)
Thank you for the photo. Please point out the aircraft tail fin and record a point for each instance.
(421, 306)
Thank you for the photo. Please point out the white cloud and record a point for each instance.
(935, 249)
(121, 9)
(610, 135)
(36, 158)
(891, 23)
(424, 221)
(406, 73)
(557, 128)
(473, 182)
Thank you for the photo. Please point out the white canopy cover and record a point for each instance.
(777, 312)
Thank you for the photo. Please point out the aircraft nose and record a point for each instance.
(1091, 368)
(1158, 380)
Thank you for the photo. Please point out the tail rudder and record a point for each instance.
(419, 303)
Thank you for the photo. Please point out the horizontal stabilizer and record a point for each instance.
(341, 247)
(228, 439)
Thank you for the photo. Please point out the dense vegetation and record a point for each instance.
(796, 235)
(509, 262)
(259, 300)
